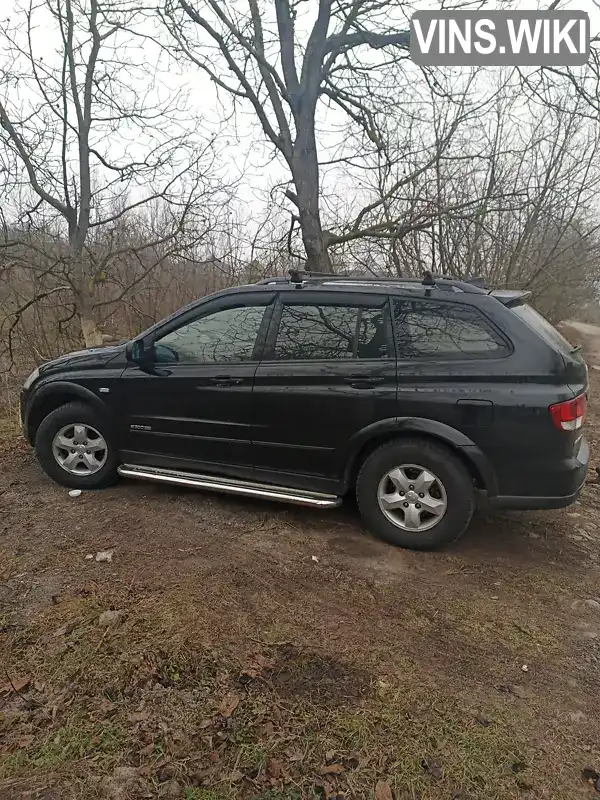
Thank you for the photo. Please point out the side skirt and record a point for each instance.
(214, 483)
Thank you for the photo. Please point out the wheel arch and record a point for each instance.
(372, 437)
(52, 396)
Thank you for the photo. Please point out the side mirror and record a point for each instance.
(139, 353)
(148, 355)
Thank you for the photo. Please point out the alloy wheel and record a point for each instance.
(412, 497)
(80, 449)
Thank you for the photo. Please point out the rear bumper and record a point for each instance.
(573, 473)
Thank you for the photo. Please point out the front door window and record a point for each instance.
(227, 336)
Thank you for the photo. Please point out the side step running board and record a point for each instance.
(231, 486)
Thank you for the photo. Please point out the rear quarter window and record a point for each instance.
(438, 330)
(543, 328)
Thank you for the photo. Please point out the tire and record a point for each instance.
(69, 415)
(453, 485)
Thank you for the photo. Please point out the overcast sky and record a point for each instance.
(245, 155)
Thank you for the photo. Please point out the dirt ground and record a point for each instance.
(262, 651)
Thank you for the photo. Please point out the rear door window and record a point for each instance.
(442, 331)
(325, 332)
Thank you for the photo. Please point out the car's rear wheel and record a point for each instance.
(74, 445)
(415, 493)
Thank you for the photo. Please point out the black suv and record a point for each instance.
(417, 395)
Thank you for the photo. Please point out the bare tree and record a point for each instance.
(280, 62)
(86, 139)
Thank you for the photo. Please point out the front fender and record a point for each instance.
(386, 429)
(66, 389)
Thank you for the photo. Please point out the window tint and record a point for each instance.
(444, 330)
(544, 328)
(331, 332)
(225, 336)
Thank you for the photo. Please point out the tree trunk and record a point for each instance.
(91, 334)
(305, 172)
(84, 288)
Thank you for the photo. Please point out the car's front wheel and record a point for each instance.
(74, 445)
(415, 493)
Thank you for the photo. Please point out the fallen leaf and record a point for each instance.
(168, 770)
(106, 706)
(25, 742)
(524, 786)
(589, 774)
(332, 769)
(65, 630)
(137, 716)
(328, 790)
(263, 661)
(383, 791)
(147, 750)
(274, 768)
(172, 789)
(229, 704)
(248, 675)
(16, 684)
(198, 776)
(433, 768)
(109, 617)
(256, 666)
(518, 691)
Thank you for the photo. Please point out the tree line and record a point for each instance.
(149, 155)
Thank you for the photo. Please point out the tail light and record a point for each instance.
(569, 415)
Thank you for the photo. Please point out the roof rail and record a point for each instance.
(429, 280)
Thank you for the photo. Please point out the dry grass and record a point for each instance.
(241, 668)
(145, 695)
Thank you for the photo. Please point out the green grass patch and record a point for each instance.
(101, 742)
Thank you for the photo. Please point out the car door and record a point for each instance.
(328, 372)
(455, 367)
(192, 407)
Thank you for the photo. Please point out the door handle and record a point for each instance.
(225, 380)
(363, 381)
